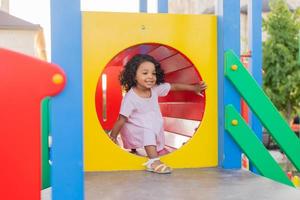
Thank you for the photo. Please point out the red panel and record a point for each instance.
(113, 97)
(187, 75)
(182, 96)
(193, 111)
(245, 111)
(24, 82)
(162, 52)
(181, 126)
(175, 63)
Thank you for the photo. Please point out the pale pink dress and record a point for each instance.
(144, 125)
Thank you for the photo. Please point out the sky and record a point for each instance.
(38, 11)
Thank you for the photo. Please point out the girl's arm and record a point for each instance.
(198, 88)
(117, 127)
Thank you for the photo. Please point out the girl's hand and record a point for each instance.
(200, 87)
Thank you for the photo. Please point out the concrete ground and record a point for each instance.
(205, 183)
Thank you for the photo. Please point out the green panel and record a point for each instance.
(45, 146)
(264, 109)
(252, 147)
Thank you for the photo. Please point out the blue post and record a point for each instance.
(255, 64)
(143, 6)
(163, 6)
(66, 110)
(228, 38)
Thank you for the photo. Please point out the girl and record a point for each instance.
(140, 121)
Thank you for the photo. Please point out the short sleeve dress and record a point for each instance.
(144, 125)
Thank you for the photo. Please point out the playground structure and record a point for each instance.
(177, 108)
(93, 43)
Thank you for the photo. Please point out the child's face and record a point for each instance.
(146, 75)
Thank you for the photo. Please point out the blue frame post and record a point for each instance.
(255, 64)
(228, 38)
(143, 6)
(66, 115)
(163, 6)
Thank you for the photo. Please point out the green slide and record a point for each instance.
(263, 108)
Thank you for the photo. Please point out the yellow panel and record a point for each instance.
(107, 34)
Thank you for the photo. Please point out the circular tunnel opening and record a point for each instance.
(182, 111)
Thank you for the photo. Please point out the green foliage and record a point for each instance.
(280, 58)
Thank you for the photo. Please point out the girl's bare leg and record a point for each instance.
(151, 151)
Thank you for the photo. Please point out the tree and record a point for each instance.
(281, 77)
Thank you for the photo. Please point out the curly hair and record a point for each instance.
(127, 76)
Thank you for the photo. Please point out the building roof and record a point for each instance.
(8, 21)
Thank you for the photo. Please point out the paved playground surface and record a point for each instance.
(205, 183)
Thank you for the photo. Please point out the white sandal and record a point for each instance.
(159, 169)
